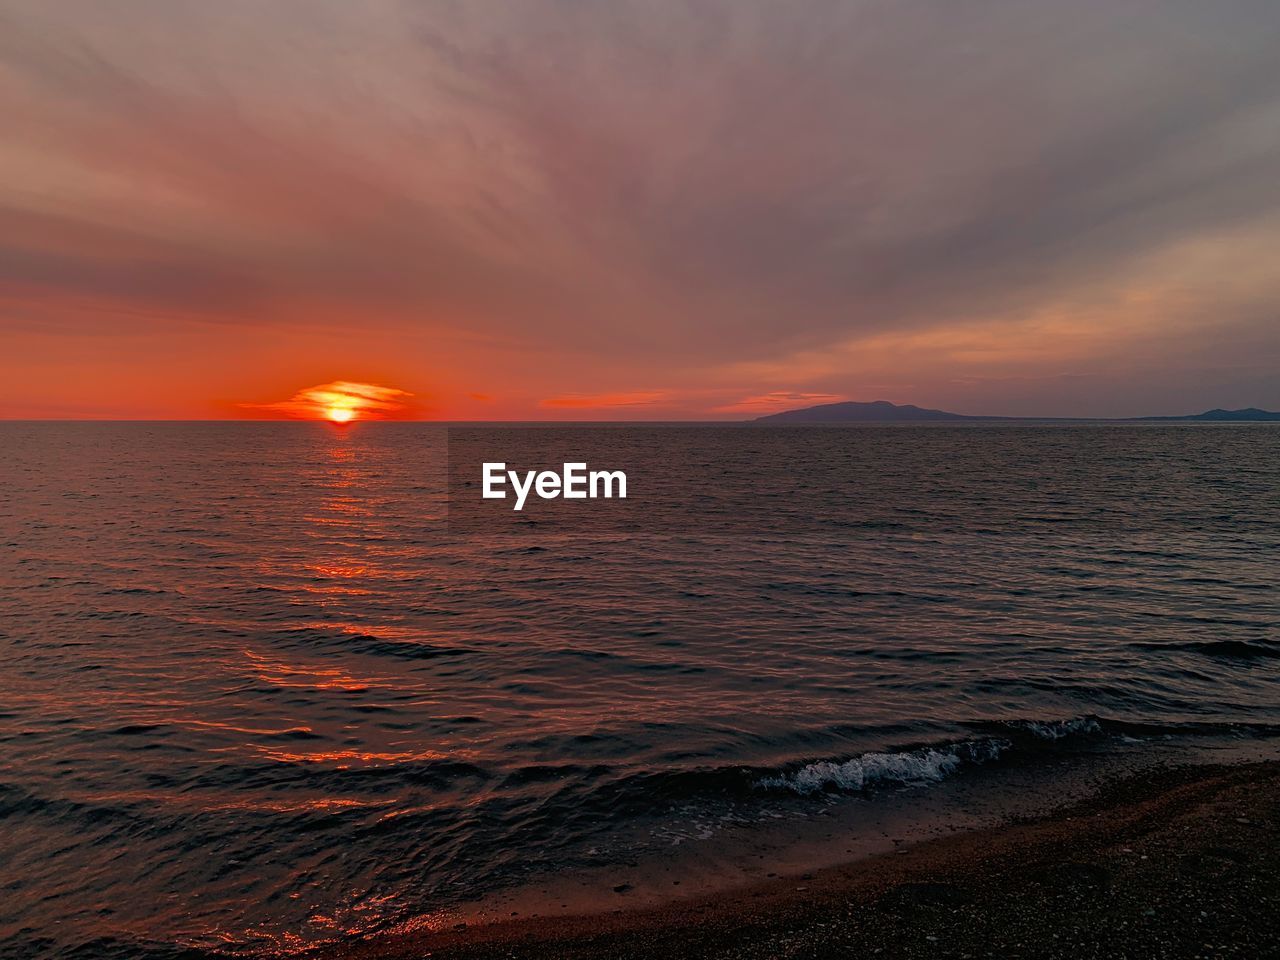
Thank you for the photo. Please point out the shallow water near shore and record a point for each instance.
(730, 854)
(257, 695)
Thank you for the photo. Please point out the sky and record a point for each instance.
(638, 210)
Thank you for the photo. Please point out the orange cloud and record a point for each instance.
(585, 401)
(769, 402)
(341, 401)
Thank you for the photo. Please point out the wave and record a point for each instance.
(1257, 649)
(615, 792)
(935, 762)
(926, 765)
(1052, 730)
(1104, 728)
(352, 639)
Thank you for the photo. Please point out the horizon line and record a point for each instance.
(961, 418)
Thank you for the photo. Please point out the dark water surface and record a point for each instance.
(255, 694)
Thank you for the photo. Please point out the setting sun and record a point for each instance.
(342, 401)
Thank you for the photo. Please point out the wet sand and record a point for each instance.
(1183, 862)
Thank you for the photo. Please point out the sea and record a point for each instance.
(273, 685)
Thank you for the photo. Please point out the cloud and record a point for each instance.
(341, 400)
(776, 400)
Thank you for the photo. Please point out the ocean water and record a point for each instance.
(259, 692)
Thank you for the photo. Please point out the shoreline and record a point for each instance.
(1180, 861)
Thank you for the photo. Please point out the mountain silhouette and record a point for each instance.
(882, 411)
(852, 411)
(1218, 415)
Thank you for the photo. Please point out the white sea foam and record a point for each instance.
(927, 765)
(1057, 729)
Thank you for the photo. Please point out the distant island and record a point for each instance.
(1247, 415)
(882, 411)
(852, 411)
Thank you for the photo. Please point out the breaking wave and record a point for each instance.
(927, 765)
(1058, 729)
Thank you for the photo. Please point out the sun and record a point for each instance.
(342, 402)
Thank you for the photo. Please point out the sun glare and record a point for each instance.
(342, 401)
